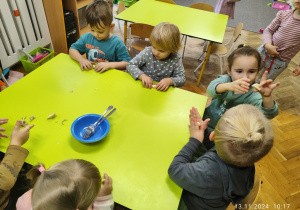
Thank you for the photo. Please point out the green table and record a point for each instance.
(191, 22)
(147, 130)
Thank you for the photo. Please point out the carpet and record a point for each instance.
(255, 14)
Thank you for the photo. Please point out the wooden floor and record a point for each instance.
(280, 169)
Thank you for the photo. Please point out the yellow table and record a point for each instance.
(147, 130)
(191, 22)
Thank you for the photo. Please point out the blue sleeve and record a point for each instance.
(122, 52)
(256, 100)
(79, 45)
(211, 89)
(134, 66)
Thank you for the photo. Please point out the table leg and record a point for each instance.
(205, 61)
(125, 32)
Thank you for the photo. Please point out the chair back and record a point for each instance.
(237, 31)
(137, 34)
(203, 6)
(167, 1)
(121, 7)
(141, 30)
(251, 198)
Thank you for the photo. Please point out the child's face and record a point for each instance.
(159, 53)
(244, 67)
(101, 32)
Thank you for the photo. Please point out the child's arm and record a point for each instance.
(136, 63)
(266, 91)
(85, 64)
(239, 86)
(104, 200)
(178, 78)
(122, 59)
(268, 35)
(182, 170)
(296, 71)
(14, 157)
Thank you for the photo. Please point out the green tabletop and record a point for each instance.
(192, 22)
(147, 130)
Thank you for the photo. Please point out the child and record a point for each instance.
(226, 172)
(13, 160)
(236, 88)
(103, 49)
(281, 41)
(161, 62)
(70, 184)
(226, 7)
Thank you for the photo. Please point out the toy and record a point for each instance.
(280, 6)
(261, 31)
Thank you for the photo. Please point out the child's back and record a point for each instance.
(225, 173)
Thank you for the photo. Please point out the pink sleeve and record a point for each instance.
(24, 202)
(270, 30)
(104, 203)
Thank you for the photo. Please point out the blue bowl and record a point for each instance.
(81, 123)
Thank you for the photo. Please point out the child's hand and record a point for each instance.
(296, 71)
(20, 136)
(164, 84)
(197, 125)
(106, 189)
(146, 80)
(3, 121)
(102, 67)
(240, 86)
(271, 50)
(266, 86)
(85, 64)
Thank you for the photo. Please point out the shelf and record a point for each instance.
(82, 3)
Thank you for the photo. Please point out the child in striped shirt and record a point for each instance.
(281, 41)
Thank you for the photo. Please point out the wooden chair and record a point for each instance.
(200, 6)
(251, 198)
(167, 1)
(222, 50)
(141, 32)
(3, 78)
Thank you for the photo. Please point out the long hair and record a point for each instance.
(243, 135)
(70, 184)
(166, 36)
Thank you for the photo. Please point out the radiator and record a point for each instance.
(23, 25)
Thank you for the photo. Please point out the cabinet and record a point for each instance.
(56, 22)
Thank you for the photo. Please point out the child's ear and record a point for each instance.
(212, 136)
(228, 70)
(112, 25)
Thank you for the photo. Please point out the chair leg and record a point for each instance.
(201, 63)
(221, 65)
(184, 46)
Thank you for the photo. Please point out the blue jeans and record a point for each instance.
(277, 67)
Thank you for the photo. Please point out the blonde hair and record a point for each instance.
(243, 135)
(98, 12)
(70, 184)
(166, 36)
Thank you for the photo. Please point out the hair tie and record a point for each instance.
(41, 169)
(244, 45)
